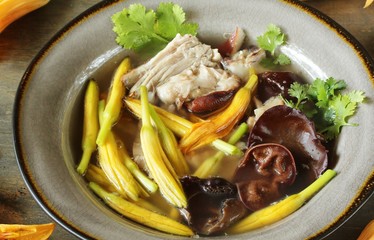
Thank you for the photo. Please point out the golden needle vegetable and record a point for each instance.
(11, 10)
(114, 101)
(368, 232)
(113, 167)
(141, 215)
(175, 123)
(170, 145)
(209, 166)
(116, 171)
(90, 125)
(219, 125)
(26, 232)
(282, 209)
(143, 179)
(156, 160)
(368, 3)
(97, 175)
(180, 126)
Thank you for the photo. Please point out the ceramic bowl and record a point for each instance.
(48, 113)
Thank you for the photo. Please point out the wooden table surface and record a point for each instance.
(21, 41)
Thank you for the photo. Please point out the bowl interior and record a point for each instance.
(49, 112)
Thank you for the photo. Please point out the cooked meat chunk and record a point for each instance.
(183, 70)
(241, 61)
(191, 84)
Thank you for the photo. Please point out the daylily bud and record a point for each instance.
(11, 10)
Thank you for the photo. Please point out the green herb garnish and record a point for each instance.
(270, 41)
(140, 29)
(323, 102)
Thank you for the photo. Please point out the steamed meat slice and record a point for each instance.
(183, 70)
(271, 102)
(191, 84)
(240, 63)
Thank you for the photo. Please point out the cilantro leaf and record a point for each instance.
(282, 59)
(171, 21)
(356, 96)
(323, 102)
(134, 27)
(333, 85)
(298, 91)
(274, 61)
(140, 29)
(270, 41)
(320, 92)
(268, 62)
(342, 108)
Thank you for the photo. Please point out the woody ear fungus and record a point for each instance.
(263, 174)
(213, 204)
(271, 84)
(292, 129)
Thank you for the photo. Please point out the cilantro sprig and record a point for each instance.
(270, 41)
(325, 104)
(140, 29)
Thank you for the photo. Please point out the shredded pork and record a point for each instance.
(183, 70)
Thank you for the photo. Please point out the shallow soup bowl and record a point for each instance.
(48, 113)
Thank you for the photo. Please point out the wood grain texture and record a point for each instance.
(21, 41)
